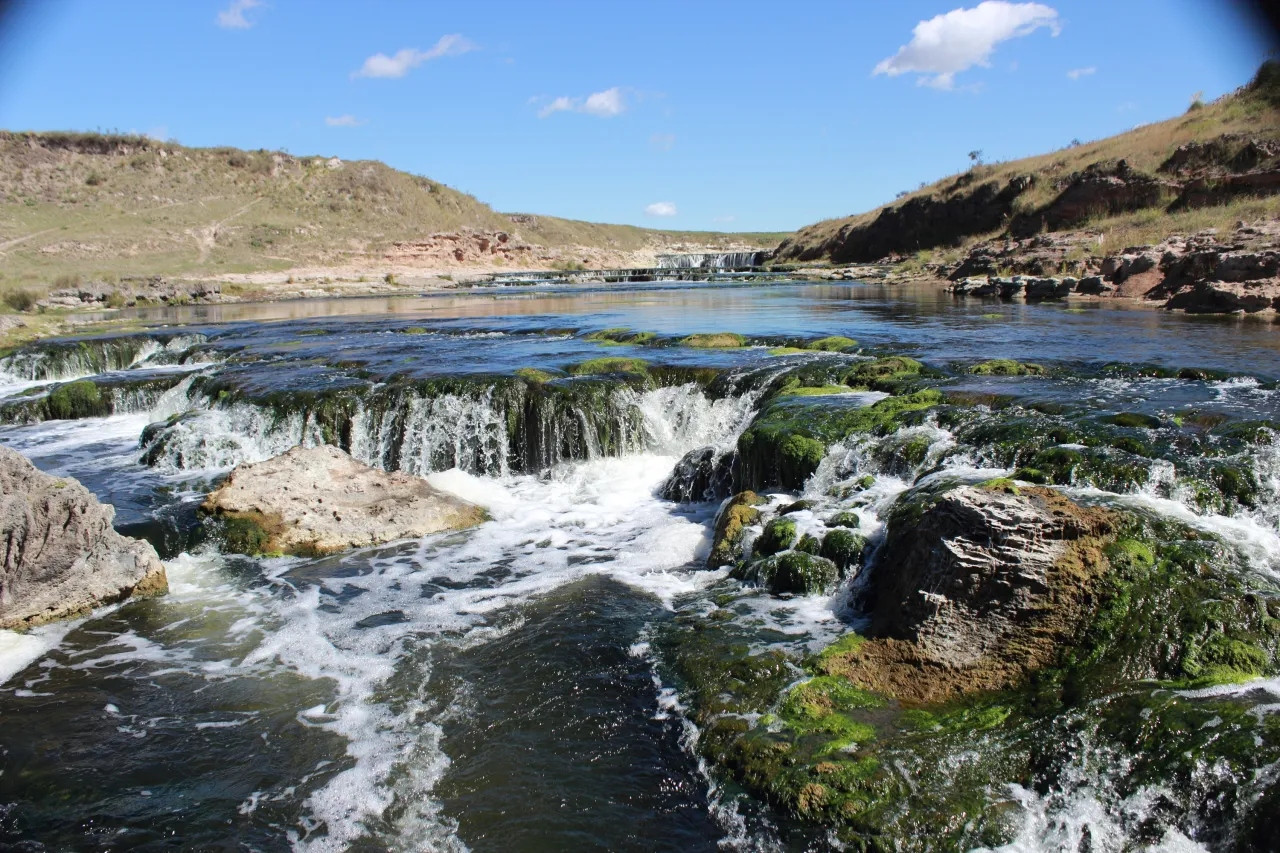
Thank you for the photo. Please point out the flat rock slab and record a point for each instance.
(61, 555)
(310, 501)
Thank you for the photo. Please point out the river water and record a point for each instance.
(497, 689)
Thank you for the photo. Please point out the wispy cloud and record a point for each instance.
(728, 217)
(661, 208)
(943, 46)
(663, 141)
(1077, 73)
(404, 61)
(346, 120)
(606, 104)
(232, 17)
(560, 104)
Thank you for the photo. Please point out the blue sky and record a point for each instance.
(694, 115)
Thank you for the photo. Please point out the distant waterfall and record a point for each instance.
(713, 260)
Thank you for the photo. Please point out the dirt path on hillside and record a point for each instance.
(206, 237)
(9, 244)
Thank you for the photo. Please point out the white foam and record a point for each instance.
(20, 650)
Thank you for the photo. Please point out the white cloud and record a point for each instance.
(1077, 73)
(560, 104)
(661, 208)
(232, 17)
(606, 104)
(947, 44)
(663, 141)
(381, 65)
(346, 120)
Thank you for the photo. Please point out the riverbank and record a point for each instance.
(575, 669)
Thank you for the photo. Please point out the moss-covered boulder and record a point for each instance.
(844, 548)
(737, 514)
(789, 438)
(778, 535)
(832, 343)
(599, 366)
(792, 573)
(893, 374)
(714, 340)
(623, 336)
(1006, 367)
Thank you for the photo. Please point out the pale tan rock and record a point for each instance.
(318, 500)
(61, 556)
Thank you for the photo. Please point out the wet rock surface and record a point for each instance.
(61, 556)
(977, 586)
(319, 500)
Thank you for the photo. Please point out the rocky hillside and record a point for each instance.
(1215, 166)
(91, 205)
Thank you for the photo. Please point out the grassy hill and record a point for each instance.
(1051, 192)
(102, 205)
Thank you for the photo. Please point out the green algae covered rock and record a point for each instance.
(738, 514)
(610, 365)
(1006, 367)
(834, 343)
(844, 548)
(623, 336)
(792, 572)
(80, 399)
(1164, 608)
(788, 439)
(714, 340)
(892, 374)
(778, 535)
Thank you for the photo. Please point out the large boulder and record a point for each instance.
(62, 557)
(318, 500)
(976, 586)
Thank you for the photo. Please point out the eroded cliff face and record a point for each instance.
(923, 222)
(61, 556)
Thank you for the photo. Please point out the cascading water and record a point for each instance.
(493, 431)
(91, 356)
(713, 260)
(495, 689)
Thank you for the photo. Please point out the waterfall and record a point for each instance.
(492, 429)
(713, 260)
(63, 360)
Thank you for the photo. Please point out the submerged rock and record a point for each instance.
(318, 500)
(62, 557)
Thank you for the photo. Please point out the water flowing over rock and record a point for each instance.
(319, 500)
(713, 260)
(61, 555)
(976, 586)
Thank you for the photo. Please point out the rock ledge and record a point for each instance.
(318, 500)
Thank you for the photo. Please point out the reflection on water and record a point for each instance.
(921, 318)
